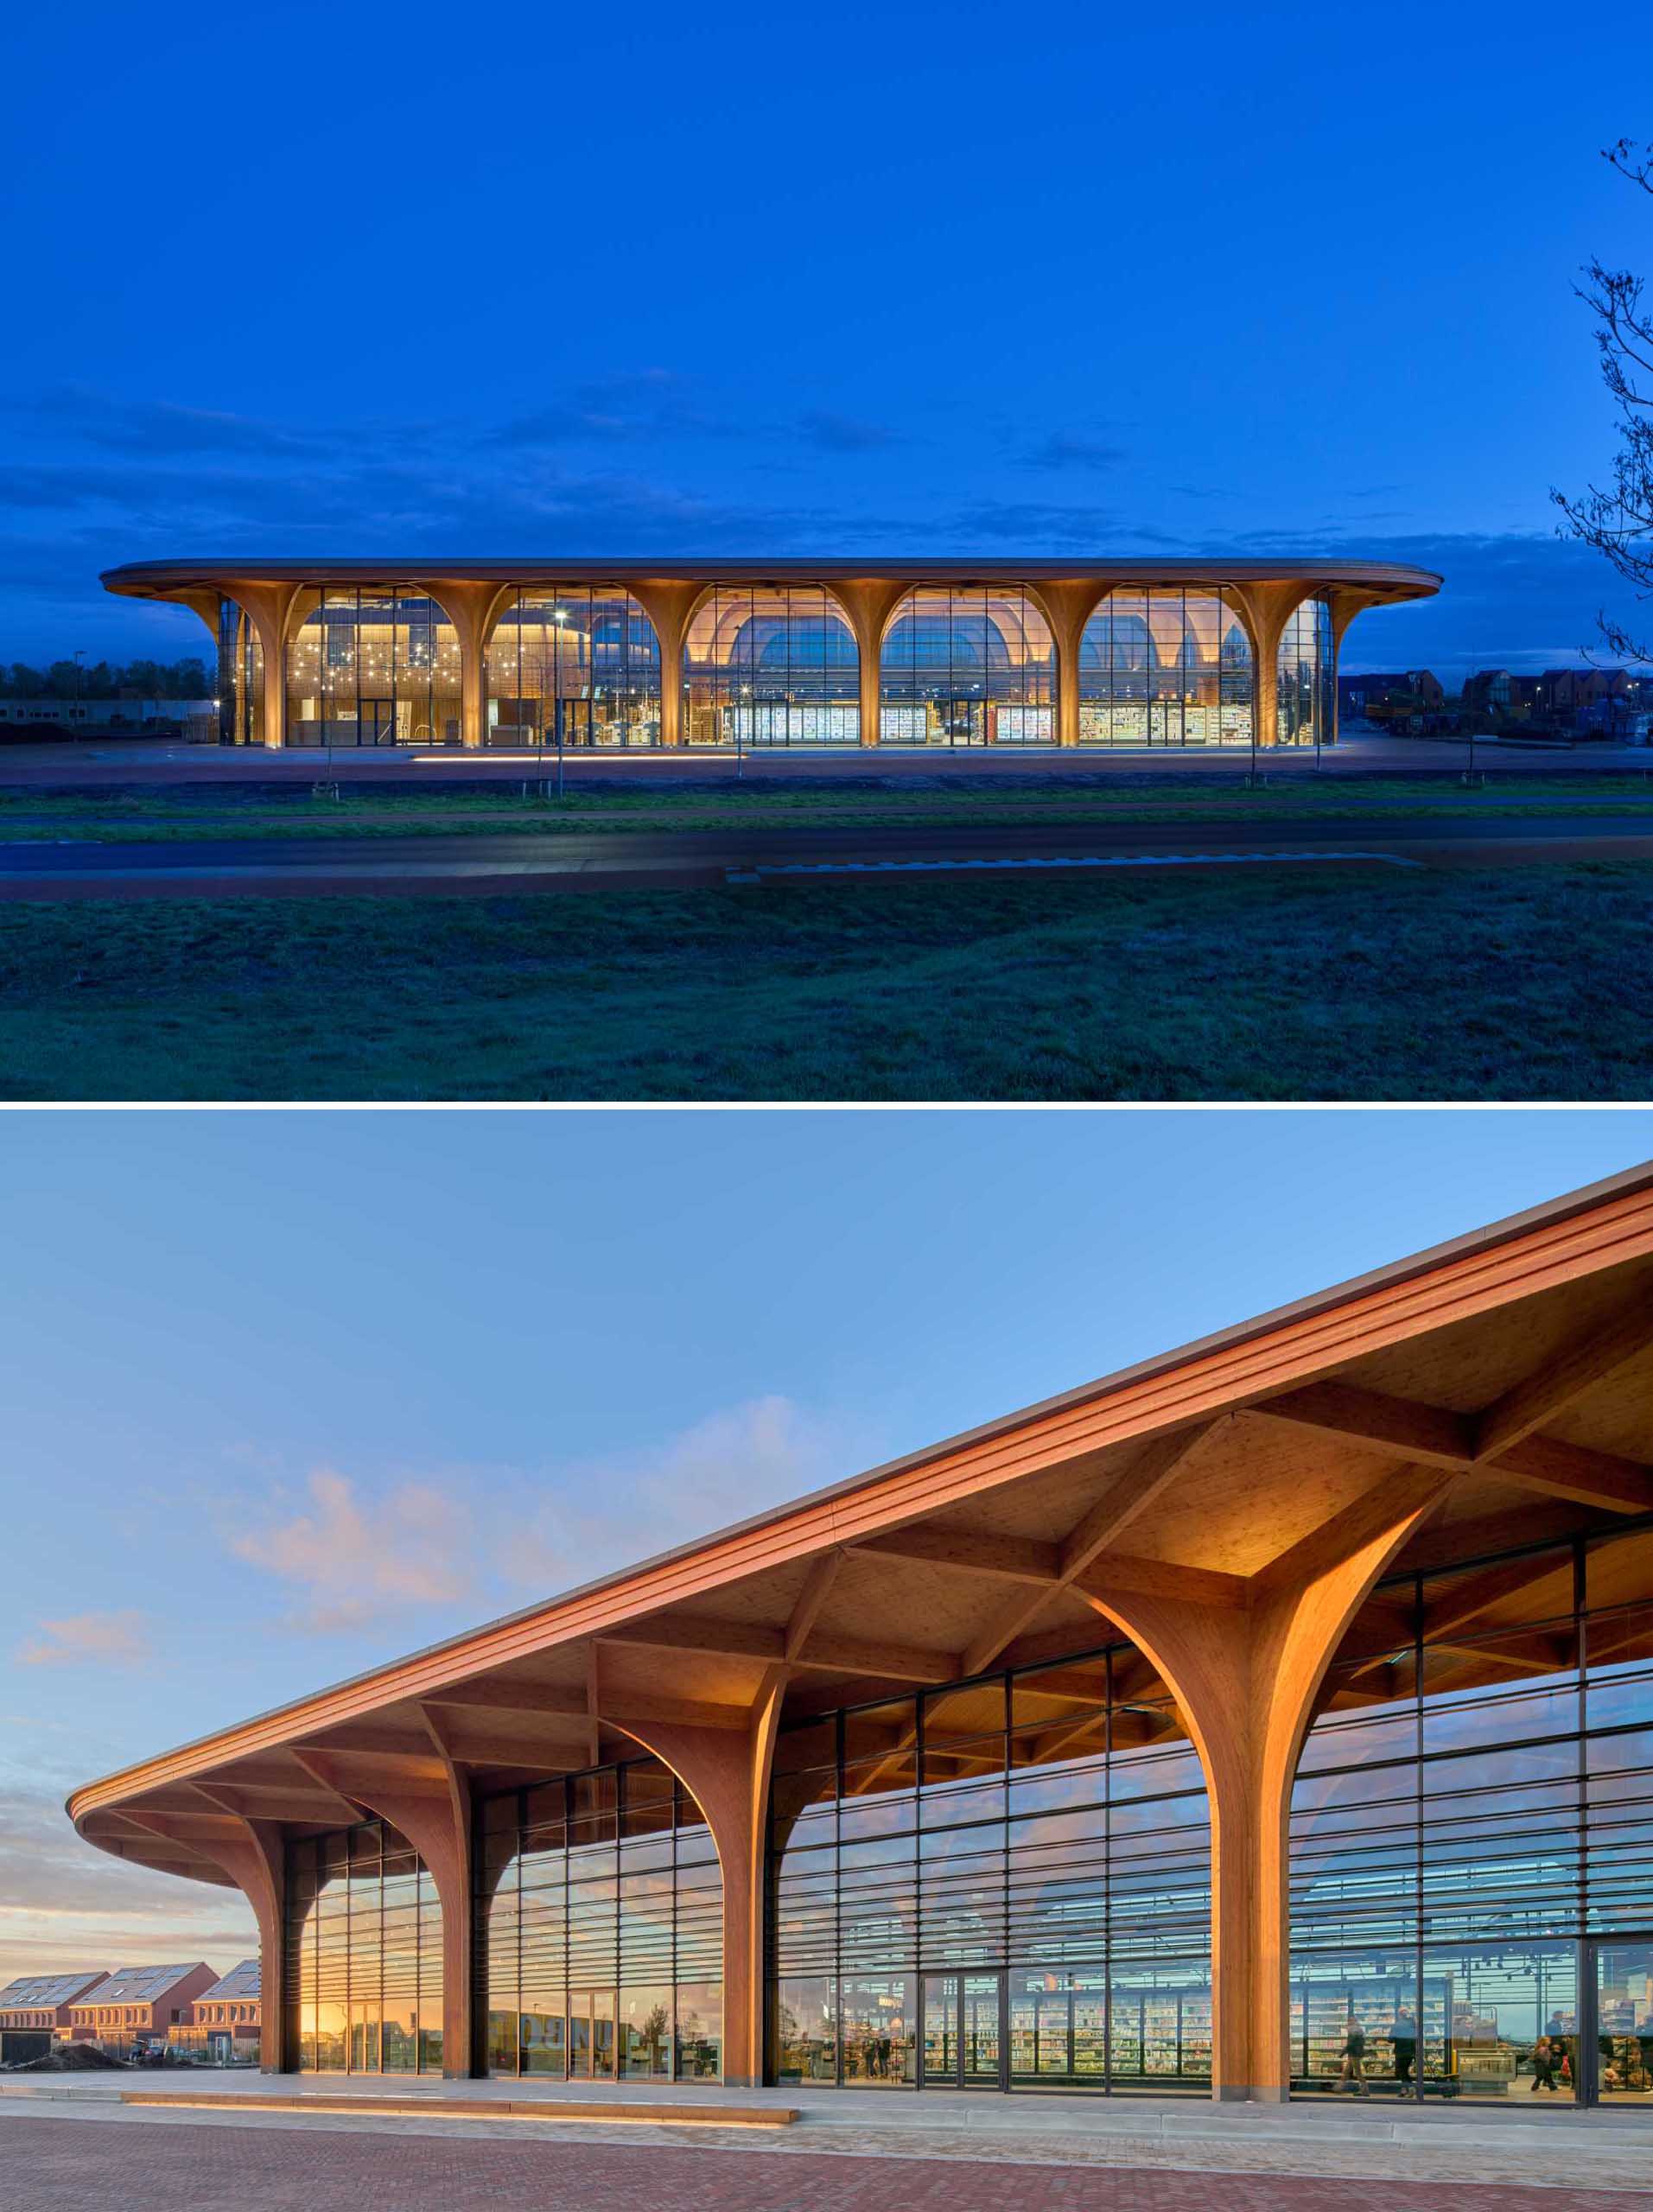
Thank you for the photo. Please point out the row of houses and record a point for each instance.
(136, 2012)
(1585, 702)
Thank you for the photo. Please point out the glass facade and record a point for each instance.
(364, 1971)
(770, 664)
(1305, 703)
(1165, 668)
(600, 1923)
(974, 665)
(579, 666)
(369, 667)
(1005, 1884)
(241, 678)
(1471, 1835)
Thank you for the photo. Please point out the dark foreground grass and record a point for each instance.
(1321, 983)
(184, 812)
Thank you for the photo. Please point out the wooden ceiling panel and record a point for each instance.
(1469, 1365)
(1254, 1489)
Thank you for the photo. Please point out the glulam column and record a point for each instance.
(1245, 1677)
(726, 1771)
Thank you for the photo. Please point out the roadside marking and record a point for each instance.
(1115, 859)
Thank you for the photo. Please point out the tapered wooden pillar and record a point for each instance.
(726, 1771)
(1067, 604)
(1245, 1677)
(670, 602)
(269, 608)
(1268, 608)
(473, 608)
(868, 603)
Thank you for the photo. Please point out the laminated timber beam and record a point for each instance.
(1127, 1497)
(1505, 1438)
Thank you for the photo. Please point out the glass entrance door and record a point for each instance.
(963, 2031)
(1619, 1973)
(962, 721)
(591, 2035)
(376, 721)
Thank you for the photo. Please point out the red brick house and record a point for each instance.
(227, 2023)
(35, 2011)
(138, 2007)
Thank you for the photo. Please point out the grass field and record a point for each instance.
(216, 811)
(1316, 984)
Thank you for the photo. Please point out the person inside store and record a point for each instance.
(1354, 2056)
(1545, 2056)
(1404, 2037)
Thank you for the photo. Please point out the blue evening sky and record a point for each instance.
(288, 1395)
(900, 278)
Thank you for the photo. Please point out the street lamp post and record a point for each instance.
(559, 618)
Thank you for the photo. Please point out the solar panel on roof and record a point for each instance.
(52, 1989)
(241, 1981)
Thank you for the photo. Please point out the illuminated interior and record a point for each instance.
(1165, 668)
(770, 664)
(972, 665)
(371, 667)
(578, 665)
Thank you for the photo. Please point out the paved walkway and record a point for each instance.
(187, 2165)
(88, 764)
(1592, 2159)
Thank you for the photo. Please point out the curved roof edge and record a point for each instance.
(134, 576)
(1548, 1215)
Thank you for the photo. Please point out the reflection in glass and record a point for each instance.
(241, 678)
(604, 1909)
(1305, 702)
(363, 1943)
(1475, 1797)
(971, 666)
(1165, 668)
(1050, 1821)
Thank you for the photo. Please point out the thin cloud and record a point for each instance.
(1072, 449)
(847, 434)
(87, 1639)
(733, 1463)
(163, 426)
(351, 1559)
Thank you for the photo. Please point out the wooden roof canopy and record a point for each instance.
(1517, 1361)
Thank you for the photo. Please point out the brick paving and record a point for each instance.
(46, 2168)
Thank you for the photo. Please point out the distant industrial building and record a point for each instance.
(195, 718)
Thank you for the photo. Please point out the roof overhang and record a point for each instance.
(1520, 1358)
(1377, 580)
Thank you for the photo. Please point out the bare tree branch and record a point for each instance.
(1616, 518)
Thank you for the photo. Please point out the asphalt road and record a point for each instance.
(469, 864)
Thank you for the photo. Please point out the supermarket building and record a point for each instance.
(1288, 1693)
(634, 656)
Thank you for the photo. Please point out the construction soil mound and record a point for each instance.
(72, 2058)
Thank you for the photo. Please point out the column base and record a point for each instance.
(1243, 2093)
